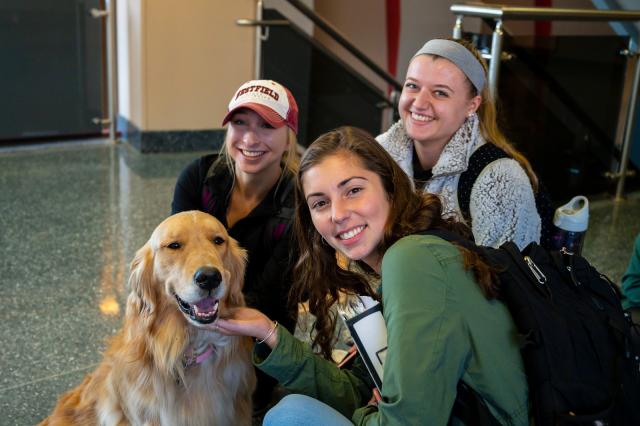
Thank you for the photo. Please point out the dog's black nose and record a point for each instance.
(207, 278)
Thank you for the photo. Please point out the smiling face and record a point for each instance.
(254, 145)
(348, 206)
(200, 267)
(435, 100)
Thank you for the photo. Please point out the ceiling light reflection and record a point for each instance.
(109, 306)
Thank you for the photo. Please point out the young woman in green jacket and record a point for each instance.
(443, 322)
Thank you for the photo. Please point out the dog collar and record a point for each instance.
(191, 357)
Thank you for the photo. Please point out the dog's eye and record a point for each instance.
(218, 241)
(174, 245)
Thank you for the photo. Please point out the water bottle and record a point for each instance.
(571, 221)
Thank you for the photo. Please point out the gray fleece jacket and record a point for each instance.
(502, 204)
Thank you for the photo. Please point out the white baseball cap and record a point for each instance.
(271, 100)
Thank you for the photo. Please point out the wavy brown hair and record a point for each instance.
(488, 115)
(319, 280)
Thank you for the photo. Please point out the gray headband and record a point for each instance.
(460, 56)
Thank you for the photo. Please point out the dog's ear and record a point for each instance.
(143, 298)
(237, 261)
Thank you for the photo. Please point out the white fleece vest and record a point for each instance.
(502, 204)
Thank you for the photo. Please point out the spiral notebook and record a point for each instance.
(363, 317)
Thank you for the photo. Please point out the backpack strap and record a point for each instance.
(452, 237)
(480, 158)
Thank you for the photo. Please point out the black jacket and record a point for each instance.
(265, 233)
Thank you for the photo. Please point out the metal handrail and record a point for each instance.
(342, 40)
(262, 22)
(500, 13)
(326, 27)
(513, 13)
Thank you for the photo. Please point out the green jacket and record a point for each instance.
(440, 329)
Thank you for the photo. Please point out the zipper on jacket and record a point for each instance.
(542, 279)
(567, 259)
(564, 250)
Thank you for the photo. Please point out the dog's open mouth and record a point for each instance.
(204, 311)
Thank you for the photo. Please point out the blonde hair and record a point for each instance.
(289, 162)
(488, 116)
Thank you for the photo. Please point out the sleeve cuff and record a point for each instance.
(285, 359)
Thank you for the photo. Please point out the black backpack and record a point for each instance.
(580, 353)
(481, 158)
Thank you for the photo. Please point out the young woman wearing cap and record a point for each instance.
(446, 114)
(248, 186)
(444, 325)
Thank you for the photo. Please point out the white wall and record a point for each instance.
(122, 41)
(363, 23)
(129, 28)
(180, 62)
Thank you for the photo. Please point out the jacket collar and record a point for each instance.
(220, 181)
(454, 158)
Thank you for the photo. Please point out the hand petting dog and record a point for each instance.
(249, 322)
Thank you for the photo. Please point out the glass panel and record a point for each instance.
(559, 104)
(51, 67)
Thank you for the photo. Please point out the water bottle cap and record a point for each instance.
(573, 216)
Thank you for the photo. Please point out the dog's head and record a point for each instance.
(191, 260)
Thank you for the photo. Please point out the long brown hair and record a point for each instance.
(319, 280)
(488, 115)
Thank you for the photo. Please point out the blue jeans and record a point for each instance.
(302, 410)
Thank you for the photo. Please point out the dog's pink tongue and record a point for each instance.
(205, 305)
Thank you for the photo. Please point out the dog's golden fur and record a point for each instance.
(142, 379)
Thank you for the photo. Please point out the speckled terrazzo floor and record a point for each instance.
(71, 218)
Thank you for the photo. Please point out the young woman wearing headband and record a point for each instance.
(446, 114)
(248, 187)
(444, 325)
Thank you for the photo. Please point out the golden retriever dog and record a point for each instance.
(164, 367)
